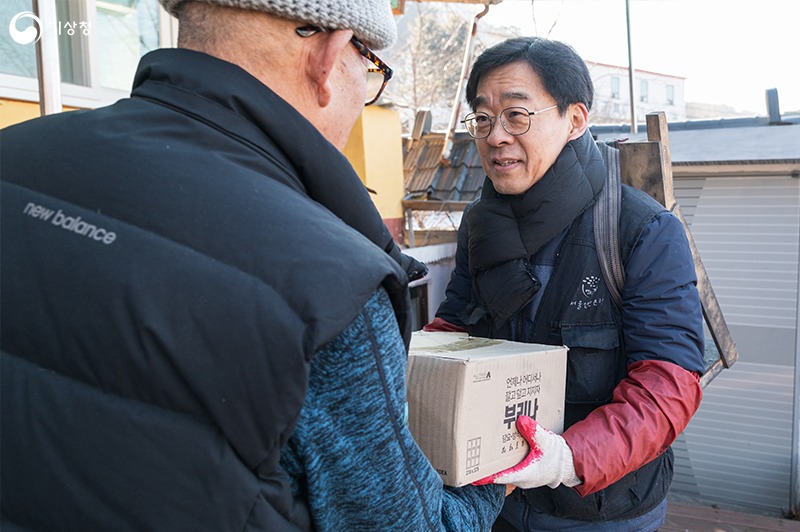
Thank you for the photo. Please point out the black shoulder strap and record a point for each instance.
(606, 224)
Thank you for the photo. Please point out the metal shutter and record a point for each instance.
(737, 448)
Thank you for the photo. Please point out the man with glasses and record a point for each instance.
(527, 270)
(204, 318)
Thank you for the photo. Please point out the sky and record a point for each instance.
(729, 51)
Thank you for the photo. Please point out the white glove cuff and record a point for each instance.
(567, 476)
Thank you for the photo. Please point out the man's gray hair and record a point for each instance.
(371, 20)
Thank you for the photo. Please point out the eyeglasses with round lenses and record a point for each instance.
(377, 77)
(515, 121)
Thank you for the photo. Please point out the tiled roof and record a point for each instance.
(426, 178)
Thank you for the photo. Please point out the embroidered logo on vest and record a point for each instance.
(589, 285)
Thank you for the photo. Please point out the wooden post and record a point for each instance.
(648, 167)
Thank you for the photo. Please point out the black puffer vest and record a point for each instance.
(170, 265)
(577, 310)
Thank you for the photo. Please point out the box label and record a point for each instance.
(465, 394)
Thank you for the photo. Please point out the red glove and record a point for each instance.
(549, 461)
(440, 325)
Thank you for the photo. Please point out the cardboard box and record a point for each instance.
(464, 394)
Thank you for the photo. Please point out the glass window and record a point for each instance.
(100, 43)
(615, 87)
(670, 95)
(643, 91)
(15, 58)
(19, 58)
(74, 31)
(126, 30)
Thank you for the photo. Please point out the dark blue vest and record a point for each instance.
(577, 310)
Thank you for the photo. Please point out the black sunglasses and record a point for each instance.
(377, 78)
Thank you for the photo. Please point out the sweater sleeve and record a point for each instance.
(352, 457)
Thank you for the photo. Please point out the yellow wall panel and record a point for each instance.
(14, 111)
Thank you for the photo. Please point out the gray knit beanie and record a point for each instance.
(371, 20)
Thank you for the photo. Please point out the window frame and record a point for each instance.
(25, 89)
(670, 97)
(615, 90)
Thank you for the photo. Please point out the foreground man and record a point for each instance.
(527, 270)
(204, 319)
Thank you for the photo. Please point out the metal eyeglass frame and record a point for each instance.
(492, 119)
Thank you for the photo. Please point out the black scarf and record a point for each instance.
(505, 231)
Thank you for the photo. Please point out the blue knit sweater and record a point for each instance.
(352, 457)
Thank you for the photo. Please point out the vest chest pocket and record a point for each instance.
(592, 362)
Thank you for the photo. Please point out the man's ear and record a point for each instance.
(322, 62)
(578, 119)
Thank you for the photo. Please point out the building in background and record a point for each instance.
(652, 92)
